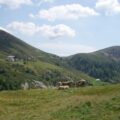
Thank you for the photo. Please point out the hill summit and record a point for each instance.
(112, 52)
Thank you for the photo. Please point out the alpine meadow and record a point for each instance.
(59, 60)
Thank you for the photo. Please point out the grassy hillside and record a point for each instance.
(103, 64)
(14, 74)
(90, 103)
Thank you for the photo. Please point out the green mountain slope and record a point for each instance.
(44, 67)
(103, 64)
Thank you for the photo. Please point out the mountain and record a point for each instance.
(103, 64)
(31, 65)
(11, 45)
(34, 66)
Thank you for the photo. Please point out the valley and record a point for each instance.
(32, 64)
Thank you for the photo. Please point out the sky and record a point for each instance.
(63, 27)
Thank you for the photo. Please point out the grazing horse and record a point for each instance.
(63, 87)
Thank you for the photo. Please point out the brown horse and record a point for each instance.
(81, 83)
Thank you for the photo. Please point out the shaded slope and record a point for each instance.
(111, 52)
(10, 45)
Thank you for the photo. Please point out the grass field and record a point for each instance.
(90, 103)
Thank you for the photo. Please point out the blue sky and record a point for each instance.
(63, 27)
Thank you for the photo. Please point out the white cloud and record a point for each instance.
(109, 6)
(65, 49)
(46, 1)
(49, 31)
(40, 2)
(72, 11)
(13, 4)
